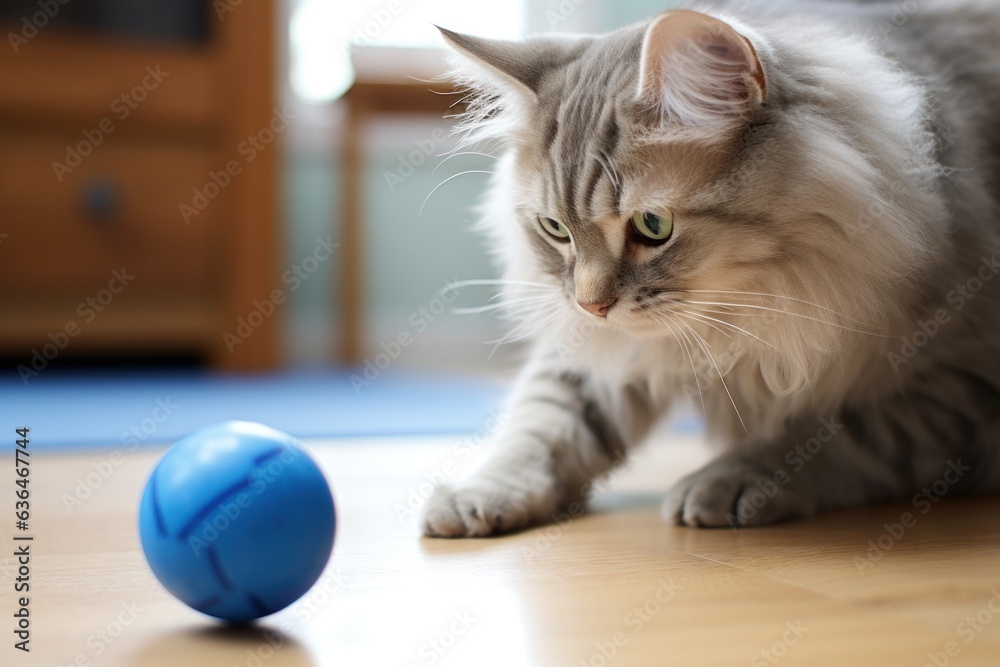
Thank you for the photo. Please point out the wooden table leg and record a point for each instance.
(351, 239)
(363, 100)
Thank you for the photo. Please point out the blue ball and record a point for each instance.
(237, 521)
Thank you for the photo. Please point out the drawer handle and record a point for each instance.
(101, 201)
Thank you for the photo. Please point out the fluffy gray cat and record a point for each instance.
(789, 214)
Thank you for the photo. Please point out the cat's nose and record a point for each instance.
(598, 308)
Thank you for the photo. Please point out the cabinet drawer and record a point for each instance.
(120, 207)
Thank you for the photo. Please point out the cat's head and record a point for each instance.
(692, 176)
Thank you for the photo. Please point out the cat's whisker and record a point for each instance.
(508, 305)
(707, 348)
(527, 290)
(450, 178)
(788, 312)
(523, 290)
(524, 308)
(528, 325)
(459, 154)
(669, 318)
(466, 97)
(728, 311)
(491, 282)
(778, 296)
(519, 293)
(440, 79)
(540, 287)
(699, 321)
(725, 311)
(728, 324)
(687, 353)
(511, 338)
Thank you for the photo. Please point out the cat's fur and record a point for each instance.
(833, 169)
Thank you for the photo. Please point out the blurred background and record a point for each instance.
(246, 203)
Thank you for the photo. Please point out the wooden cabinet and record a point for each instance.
(118, 208)
(124, 154)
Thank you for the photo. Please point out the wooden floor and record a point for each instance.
(616, 587)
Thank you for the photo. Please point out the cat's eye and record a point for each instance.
(653, 228)
(555, 229)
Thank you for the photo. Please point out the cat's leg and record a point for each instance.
(939, 435)
(563, 429)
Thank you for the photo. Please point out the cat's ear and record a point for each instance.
(698, 71)
(515, 66)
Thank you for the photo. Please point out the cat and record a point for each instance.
(788, 213)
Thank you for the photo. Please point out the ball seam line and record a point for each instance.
(211, 506)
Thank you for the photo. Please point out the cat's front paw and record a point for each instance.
(475, 508)
(733, 493)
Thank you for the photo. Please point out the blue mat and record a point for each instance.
(74, 410)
